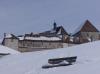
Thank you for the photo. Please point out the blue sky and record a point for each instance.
(25, 16)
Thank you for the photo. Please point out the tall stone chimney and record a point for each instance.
(4, 35)
(54, 26)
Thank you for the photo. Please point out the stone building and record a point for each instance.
(11, 41)
(51, 39)
(57, 37)
(86, 33)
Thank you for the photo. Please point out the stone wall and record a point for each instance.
(29, 45)
(11, 43)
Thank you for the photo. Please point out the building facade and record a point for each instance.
(57, 37)
(51, 39)
(86, 33)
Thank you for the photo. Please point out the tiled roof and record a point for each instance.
(86, 27)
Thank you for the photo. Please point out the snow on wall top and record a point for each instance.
(40, 38)
(35, 38)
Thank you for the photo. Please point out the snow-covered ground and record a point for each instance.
(6, 50)
(88, 61)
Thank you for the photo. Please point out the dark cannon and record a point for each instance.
(57, 62)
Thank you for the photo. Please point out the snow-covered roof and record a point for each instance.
(35, 38)
(21, 38)
(88, 61)
(41, 38)
(78, 28)
(8, 35)
(6, 50)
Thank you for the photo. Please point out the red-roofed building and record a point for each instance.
(86, 33)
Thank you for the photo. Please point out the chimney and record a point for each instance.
(54, 26)
(4, 35)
